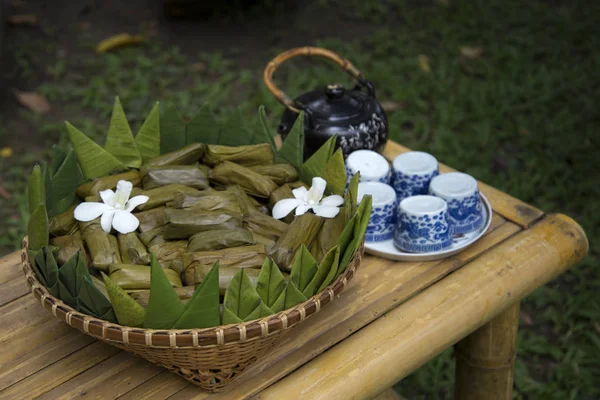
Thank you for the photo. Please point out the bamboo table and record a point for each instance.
(392, 318)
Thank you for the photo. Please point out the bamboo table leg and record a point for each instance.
(485, 359)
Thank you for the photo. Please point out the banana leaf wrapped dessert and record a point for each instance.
(212, 201)
(226, 275)
(258, 239)
(148, 236)
(181, 224)
(142, 296)
(328, 236)
(302, 231)
(94, 187)
(265, 226)
(63, 224)
(132, 249)
(220, 239)
(186, 200)
(187, 155)
(189, 175)
(151, 219)
(279, 173)
(227, 173)
(162, 195)
(250, 155)
(132, 276)
(167, 251)
(68, 245)
(103, 247)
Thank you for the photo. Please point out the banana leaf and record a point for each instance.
(63, 224)
(279, 173)
(202, 310)
(164, 307)
(292, 150)
(203, 127)
(162, 195)
(304, 268)
(100, 285)
(211, 201)
(167, 251)
(335, 174)
(127, 311)
(326, 272)
(242, 302)
(220, 239)
(315, 165)
(189, 175)
(142, 296)
(36, 189)
(65, 178)
(297, 184)
(290, 297)
(265, 226)
(147, 236)
(97, 185)
(37, 228)
(151, 219)
(181, 224)
(360, 226)
(187, 155)
(227, 173)
(226, 275)
(302, 231)
(248, 204)
(103, 247)
(147, 139)
(132, 276)
(250, 155)
(172, 131)
(234, 130)
(271, 284)
(47, 266)
(267, 135)
(351, 196)
(186, 200)
(132, 249)
(268, 243)
(68, 245)
(119, 140)
(329, 234)
(237, 257)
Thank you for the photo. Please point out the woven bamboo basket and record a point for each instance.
(211, 357)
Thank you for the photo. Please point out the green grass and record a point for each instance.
(521, 117)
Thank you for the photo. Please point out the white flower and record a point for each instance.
(116, 209)
(310, 199)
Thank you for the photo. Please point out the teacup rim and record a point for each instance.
(430, 157)
(467, 192)
(366, 174)
(405, 205)
(383, 186)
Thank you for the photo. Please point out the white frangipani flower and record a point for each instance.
(116, 209)
(310, 199)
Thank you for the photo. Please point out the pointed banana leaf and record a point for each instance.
(68, 286)
(36, 189)
(347, 234)
(325, 273)
(36, 267)
(360, 227)
(65, 180)
(203, 127)
(290, 297)
(119, 141)
(93, 159)
(292, 150)
(37, 228)
(58, 158)
(267, 135)
(304, 269)
(271, 283)
(48, 268)
(47, 174)
(351, 195)
(202, 310)
(234, 131)
(315, 165)
(164, 307)
(260, 312)
(172, 130)
(128, 311)
(148, 138)
(335, 173)
(89, 297)
(241, 299)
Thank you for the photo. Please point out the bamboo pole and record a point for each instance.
(413, 333)
(485, 359)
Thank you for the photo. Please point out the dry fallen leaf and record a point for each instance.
(120, 40)
(4, 193)
(526, 318)
(6, 152)
(34, 101)
(424, 63)
(23, 19)
(471, 52)
(199, 66)
(389, 106)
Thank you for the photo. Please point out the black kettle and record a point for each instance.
(355, 115)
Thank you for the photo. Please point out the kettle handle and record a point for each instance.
(308, 51)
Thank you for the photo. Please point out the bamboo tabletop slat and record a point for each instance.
(43, 357)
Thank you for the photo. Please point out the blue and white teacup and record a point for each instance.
(422, 225)
(412, 172)
(461, 193)
(373, 166)
(381, 221)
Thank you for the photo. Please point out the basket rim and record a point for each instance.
(185, 338)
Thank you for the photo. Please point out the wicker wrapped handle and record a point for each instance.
(306, 51)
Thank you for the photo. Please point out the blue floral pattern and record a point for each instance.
(407, 185)
(465, 215)
(381, 223)
(422, 234)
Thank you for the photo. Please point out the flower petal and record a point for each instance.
(315, 194)
(302, 208)
(106, 220)
(326, 211)
(124, 189)
(125, 222)
(136, 201)
(333, 200)
(284, 207)
(300, 193)
(108, 197)
(88, 211)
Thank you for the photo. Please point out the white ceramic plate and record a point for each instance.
(386, 249)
